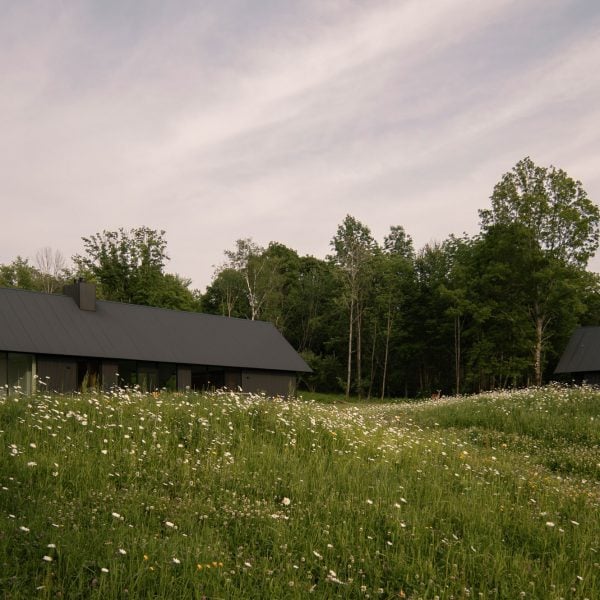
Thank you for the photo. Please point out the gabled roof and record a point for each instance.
(40, 323)
(582, 354)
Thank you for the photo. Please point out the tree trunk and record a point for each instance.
(350, 333)
(372, 376)
(388, 331)
(457, 348)
(359, 349)
(539, 342)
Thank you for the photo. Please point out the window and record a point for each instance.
(3, 375)
(167, 376)
(19, 371)
(147, 376)
(207, 378)
(88, 374)
(127, 370)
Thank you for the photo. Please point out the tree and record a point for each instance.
(354, 247)
(561, 226)
(257, 270)
(395, 272)
(431, 332)
(20, 274)
(174, 292)
(498, 292)
(457, 291)
(563, 221)
(281, 272)
(226, 295)
(128, 265)
(52, 267)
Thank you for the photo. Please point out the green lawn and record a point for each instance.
(229, 496)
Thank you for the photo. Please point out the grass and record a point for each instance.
(229, 496)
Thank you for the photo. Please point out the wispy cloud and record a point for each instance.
(275, 120)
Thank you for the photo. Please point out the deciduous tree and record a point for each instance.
(561, 226)
(353, 250)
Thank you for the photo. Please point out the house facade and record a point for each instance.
(581, 358)
(75, 342)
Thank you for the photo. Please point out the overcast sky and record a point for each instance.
(269, 119)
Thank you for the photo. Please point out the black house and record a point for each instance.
(581, 358)
(76, 342)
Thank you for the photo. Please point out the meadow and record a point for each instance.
(226, 496)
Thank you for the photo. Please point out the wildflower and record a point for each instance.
(332, 576)
(32, 445)
(122, 551)
(47, 558)
(169, 524)
(25, 529)
(550, 524)
(246, 564)
(176, 561)
(104, 570)
(369, 501)
(286, 501)
(32, 463)
(317, 554)
(51, 546)
(145, 557)
(116, 515)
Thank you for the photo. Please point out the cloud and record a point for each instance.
(276, 120)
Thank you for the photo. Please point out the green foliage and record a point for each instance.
(459, 315)
(129, 267)
(20, 274)
(462, 315)
(226, 295)
(354, 251)
(552, 206)
(229, 496)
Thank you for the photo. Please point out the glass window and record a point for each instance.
(167, 376)
(127, 373)
(147, 376)
(207, 378)
(3, 375)
(19, 373)
(88, 374)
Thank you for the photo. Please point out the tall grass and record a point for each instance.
(229, 496)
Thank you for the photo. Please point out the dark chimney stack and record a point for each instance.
(83, 293)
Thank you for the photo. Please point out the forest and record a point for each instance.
(380, 318)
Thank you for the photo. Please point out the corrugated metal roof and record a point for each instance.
(582, 354)
(51, 324)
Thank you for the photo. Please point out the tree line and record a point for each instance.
(379, 318)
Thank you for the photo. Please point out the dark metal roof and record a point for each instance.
(51, 324)
(582, 354)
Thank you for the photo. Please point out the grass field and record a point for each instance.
(227, 496)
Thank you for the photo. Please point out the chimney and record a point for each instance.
(83, 293)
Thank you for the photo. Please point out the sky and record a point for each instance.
(273, 120)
